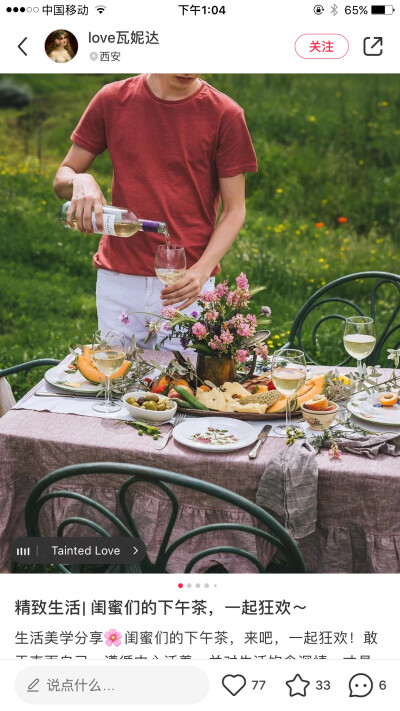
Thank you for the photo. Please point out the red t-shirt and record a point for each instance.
(167, 158)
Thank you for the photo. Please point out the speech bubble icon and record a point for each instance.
(93, 56)
(360, 685)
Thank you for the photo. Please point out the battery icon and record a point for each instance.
(382, 9)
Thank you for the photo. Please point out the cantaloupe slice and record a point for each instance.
(318, 388)
(305, 388)
(87, 353)
(314, 386)
(280, 405)
(93, 374)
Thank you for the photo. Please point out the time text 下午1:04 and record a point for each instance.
(202, 9)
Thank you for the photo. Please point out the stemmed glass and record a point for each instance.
(108, 351)
(359, 338)
(288, 372)
(170, 263)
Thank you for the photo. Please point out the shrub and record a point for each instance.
(13, 96)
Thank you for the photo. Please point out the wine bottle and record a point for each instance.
(118, 222)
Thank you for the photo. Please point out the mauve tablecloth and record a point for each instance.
(358, 526)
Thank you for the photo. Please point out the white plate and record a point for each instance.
(54, 375)
(364, 407)
(244, 433)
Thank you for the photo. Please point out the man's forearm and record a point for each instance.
(85, 195)
(63, 182)
(222, 238)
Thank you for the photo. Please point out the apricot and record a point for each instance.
(388, 399)
(318, 402)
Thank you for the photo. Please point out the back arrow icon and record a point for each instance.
(20, 46)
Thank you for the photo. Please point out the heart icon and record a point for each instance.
(234, 683)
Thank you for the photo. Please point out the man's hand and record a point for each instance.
(231, 219)
(72, 182)
(86, 198)
(186, 289)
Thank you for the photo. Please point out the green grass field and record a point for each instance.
(328, 148)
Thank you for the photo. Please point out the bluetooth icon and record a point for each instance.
(334, 10)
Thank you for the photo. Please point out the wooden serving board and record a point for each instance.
(237, 415)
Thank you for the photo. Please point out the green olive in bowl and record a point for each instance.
(148, 409)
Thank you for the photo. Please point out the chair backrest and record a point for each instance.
(7, 400)
(269, 531)
(27, 366)
(373, 289)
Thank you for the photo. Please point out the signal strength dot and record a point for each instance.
(100, 8)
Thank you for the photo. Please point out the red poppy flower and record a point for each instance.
(319, 224)
(342, 220)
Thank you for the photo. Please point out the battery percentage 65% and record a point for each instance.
(356, 10)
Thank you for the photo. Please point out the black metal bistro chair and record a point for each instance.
(50, 488)
(4, 372)
(6, 396)
(375, 294)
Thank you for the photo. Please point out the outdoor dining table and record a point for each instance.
(358, 512)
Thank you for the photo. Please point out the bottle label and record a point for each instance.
(108, 223)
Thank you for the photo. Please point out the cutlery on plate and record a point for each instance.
(260, 440)
(163, 442)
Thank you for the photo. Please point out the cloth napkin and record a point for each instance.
(7, 399)
(370, 446)
(67, 405)
(289, 484)
(288, 487)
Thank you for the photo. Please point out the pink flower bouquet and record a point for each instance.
(223, 323)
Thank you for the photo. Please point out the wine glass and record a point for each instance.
(170, 263)
(108, 352)
(288, 372)
(359, 338)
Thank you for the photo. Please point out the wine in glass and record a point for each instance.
(288, 372)
(170, 263)
(359, 338)
(108, 352)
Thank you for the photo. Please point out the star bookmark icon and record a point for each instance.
(298, 686)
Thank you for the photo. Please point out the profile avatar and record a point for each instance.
(61, 46)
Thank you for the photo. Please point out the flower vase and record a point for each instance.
(217, 370)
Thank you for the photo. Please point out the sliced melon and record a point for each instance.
(87, 353)
(318, 388)
(280, 405)
(314, 386)
(93, 374)
(305, 388)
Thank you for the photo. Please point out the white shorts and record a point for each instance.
(117, 292)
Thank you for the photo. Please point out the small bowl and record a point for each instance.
(139, 413)
(319, 419)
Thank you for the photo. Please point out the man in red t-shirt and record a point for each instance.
(178, 146)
